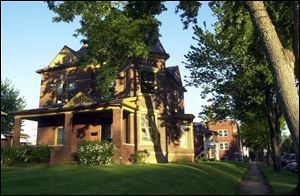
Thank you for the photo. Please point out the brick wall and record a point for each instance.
(84, 81)
(231, 139)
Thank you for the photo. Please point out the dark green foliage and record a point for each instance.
(95, 153)
(139, 157)
(190, 11)
(230, 64)
(255, 132)
(10, 101)
(286, 145)
(25, 154)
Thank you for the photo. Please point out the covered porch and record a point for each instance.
(64, 128)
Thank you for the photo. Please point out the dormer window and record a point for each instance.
(147, 81)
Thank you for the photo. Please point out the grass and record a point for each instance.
(196, 178)
(282, 182)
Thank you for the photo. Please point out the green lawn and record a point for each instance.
(195, 178)
(281, 182)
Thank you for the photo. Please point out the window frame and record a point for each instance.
(223, 144)
(58, 83)
(187, 135)
(56, 136)
(223, 131)
(154, 131)
(67, 90)
(147, 69)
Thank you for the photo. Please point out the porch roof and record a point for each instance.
(107, 105)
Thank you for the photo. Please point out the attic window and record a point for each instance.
(147, 81)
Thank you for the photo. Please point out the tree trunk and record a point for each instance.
(271, 111)
(282, 72)
(296, 37)
(268, 154)
(261, 153)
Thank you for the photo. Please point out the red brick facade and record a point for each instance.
(135, 120)
(232, 151)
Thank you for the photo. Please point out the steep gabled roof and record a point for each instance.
(73, 56)
(158, 48)
(175, 74)
(58, 62)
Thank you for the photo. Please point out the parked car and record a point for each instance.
(285, 159)
(292, 166)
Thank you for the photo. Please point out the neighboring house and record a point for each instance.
(146, 110)
(228, 140)
(205, 142)
(24, 139)
(5, 138)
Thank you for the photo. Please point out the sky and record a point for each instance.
(30, 41)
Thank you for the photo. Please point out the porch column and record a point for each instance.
(68, 126)
(16, 131)
(117, 116)
(131, 128)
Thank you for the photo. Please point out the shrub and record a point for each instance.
(95, 153)
(139, 157)
(25, 154)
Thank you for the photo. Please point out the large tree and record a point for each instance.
(230, 64)
(281, 65)
(11, 100)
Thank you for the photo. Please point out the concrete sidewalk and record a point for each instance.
(254, 183)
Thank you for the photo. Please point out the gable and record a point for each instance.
(65, 56)
(80, 99)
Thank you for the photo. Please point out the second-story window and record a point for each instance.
(147, 81)
(223, 133)
(64, 91)
(70, 90)
(59, 92)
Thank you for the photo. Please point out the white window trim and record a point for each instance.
(222, 133)
(223, 145)
(150, 69)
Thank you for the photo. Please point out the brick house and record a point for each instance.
(220, 141)
(146, 110)
(228, 139)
